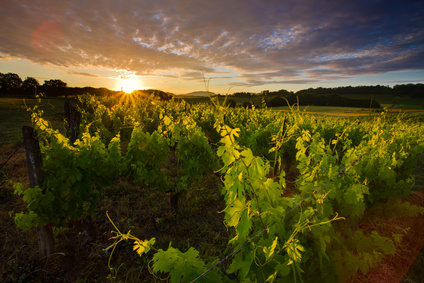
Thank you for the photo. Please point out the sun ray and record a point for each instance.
(130, 90)
(129, 84)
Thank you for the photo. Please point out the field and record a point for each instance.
(165, 150)
(13, 115)
(394, 103)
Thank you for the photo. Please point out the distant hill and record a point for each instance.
(198, 93)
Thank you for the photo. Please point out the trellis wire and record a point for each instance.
(16, 150)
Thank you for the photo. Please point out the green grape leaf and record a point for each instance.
(294, 250)
(269, 251)
(143, 247)
(234, 211)
(18, 188)
(242, 262)
(181, 266)
(244, 225)
(247, 156)
(228, 158)
(164, 261)
(257, 168)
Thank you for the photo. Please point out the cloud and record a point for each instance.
(265, 42)
(259, 82)
(75, 73)
(192, 76)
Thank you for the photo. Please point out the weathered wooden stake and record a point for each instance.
(173, 201)
(36, 175)
(89, 231)
(73, 117)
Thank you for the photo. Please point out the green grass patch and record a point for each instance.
(389, 101)
(392, 101)
(13, 115)
(326, 110)
(205, 99)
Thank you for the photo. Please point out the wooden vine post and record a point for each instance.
(73, 117)
(173, 201)
(36, 175)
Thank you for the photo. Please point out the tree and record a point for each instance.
(418, 91)
(53, 87)
(1, 82)
(248, 104)
(231, 103)
(411, 90)
(158, 94)
(10, 82)
(265, 92)
(30, 85)
(242, 94)
(55, 84)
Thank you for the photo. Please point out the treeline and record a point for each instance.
(334, 96)
(12, 84)
(308, 100)
(408, 90)
(321, 100)
(377, 89)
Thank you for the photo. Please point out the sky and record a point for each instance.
(223, 46)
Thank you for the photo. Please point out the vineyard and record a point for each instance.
(150, 190)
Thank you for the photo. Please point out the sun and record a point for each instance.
(129, 85)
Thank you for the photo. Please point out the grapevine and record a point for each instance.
(280, 229)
